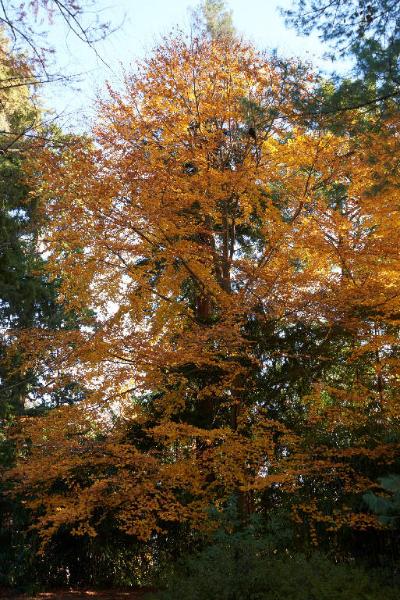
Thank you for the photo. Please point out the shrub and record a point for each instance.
(246, 566)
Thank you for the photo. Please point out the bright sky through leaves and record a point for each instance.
(143, 23)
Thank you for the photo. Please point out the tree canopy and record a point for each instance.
(202, 206)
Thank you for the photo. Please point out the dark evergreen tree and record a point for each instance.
(27, 298)
(368, 31)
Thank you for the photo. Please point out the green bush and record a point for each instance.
(245, 566)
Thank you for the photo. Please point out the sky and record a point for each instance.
(141, 25)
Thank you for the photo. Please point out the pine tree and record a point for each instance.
(368, 33)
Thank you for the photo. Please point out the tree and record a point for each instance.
(21, 292)
(28, 298)
(214, 18)
(366, 31)
(201, 208)
(20, 22)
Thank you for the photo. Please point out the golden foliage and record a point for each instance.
(202, 202)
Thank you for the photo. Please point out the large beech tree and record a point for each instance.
(203, 205)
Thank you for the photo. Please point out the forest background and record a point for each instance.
(199, 375)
